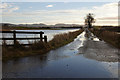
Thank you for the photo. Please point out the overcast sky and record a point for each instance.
(59, 12)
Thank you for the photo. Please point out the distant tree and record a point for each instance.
(89, 19)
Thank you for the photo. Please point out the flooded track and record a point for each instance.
(85, 57)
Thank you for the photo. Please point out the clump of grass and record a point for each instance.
(62, 39)
(38, 47)
(9, 51)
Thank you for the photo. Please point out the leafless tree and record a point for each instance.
(89, 19)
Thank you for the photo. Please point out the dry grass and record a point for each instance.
(108, 36)
(38, 47)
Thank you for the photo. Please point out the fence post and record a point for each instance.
(41, 35)
(45, 39)
(14, 36)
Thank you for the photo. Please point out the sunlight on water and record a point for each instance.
(96, 39)
(81, 38)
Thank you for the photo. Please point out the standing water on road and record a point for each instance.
(85, 57)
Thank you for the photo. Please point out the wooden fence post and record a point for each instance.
(45, 39)
(14, 36)
(41, 35)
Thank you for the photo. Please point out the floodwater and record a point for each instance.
(78, 59)
(50, 34)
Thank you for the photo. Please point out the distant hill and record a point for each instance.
(39, 25)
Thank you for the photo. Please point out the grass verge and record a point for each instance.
(111, 37)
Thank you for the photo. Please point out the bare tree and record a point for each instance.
(89, 19)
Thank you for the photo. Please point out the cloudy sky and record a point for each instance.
(105, 13)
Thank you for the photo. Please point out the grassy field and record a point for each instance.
(38, 47)
(108, 34)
